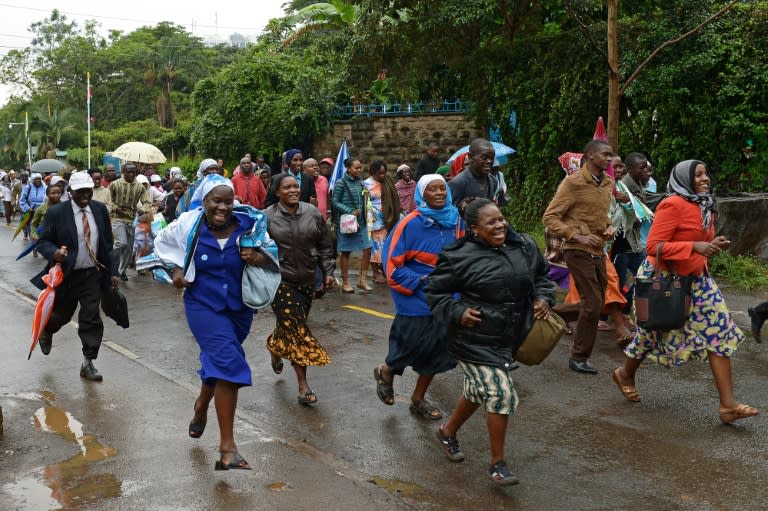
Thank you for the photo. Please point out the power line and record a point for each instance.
(132, 20)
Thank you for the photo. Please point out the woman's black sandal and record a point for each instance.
(384, 389)
(237, 463)
(197, 427)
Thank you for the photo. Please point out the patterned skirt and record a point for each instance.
(377, 244)
(292, 338)
(710, 329)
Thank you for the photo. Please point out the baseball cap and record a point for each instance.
(329, 161)
(80, 180)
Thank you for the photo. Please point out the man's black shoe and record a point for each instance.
(45, 340)
(757, 323)
(581, 367)
(89, 372)
(124, 277)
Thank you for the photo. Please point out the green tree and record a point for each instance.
(261, 103)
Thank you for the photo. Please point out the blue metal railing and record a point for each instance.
(397, 108)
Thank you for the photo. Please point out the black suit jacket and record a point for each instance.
(307, 190)
(59, 229)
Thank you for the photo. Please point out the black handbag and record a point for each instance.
(663, 302)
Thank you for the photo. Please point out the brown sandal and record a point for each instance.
(740, 411)
(628, 391)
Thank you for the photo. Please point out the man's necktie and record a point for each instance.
(87, 236)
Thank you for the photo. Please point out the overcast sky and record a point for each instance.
(222, 17)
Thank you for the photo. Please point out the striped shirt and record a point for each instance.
(127, 198)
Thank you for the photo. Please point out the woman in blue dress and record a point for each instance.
(205, 249)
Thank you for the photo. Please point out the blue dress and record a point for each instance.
(214, 307)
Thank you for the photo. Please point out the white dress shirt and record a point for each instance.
(83, 258)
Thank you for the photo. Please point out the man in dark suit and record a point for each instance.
(294, 159)
(77, 234)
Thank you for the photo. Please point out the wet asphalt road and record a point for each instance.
(575, 443)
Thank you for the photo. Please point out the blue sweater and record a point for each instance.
(409, 256)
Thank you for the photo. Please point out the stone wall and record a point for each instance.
(397, 139)
(742, 219)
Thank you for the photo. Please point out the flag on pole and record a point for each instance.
(338, 168)
(88, 94)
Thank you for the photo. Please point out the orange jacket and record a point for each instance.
(678, 224)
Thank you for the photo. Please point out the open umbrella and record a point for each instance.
(503, 152)
(48, 166)
(140, 152)
(44, 306)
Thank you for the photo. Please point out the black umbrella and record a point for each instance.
(47, 166)
(114, 305)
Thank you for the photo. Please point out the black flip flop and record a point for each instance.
(277, 367)
(237, 463)
(306, 399)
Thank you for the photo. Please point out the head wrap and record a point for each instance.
(141, 178)
(402, 168)
(290, 154)
(448, 215)
(204, 165)
(174, 171)
(36, 176)
(681, 183)
(209, 182)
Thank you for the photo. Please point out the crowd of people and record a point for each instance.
(466, 286)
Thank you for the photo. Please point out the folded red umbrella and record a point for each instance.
(44, 306)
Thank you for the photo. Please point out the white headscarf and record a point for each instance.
(210, 182)
(426, 179)
(205, 164)
(35, 175)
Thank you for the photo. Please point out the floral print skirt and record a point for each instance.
(710, 329)
(291, 338)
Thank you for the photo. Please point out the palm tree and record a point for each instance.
(48, 125)
(336, 15)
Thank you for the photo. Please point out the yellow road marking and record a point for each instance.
(369, 311)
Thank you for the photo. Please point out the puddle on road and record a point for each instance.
(395, 486)
(67, 484)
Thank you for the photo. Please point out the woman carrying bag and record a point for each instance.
(685, 224)
(209, 249)
(501, 281)
(349, 207)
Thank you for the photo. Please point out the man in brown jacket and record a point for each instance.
(579, 214)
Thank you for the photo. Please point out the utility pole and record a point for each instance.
(614, 96)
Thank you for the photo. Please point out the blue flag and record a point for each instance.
(338, 168)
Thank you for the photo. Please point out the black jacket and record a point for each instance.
(303, 242)
(500, 282)
(307, 190)
(59, 229)
(464, 186)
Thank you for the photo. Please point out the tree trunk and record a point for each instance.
(614, 95)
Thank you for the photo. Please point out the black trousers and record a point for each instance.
(83, 287)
